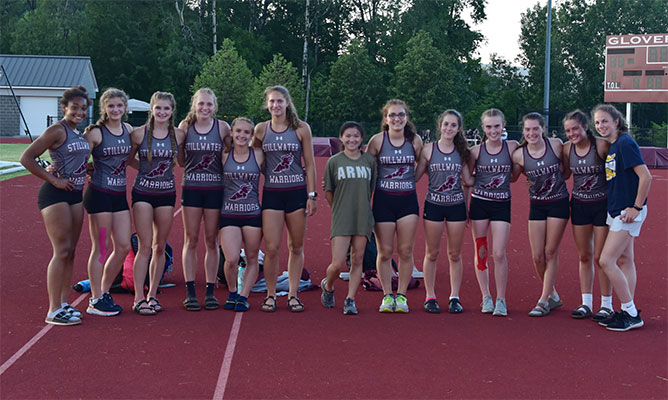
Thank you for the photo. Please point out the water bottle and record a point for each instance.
(82, 286)
(240, 278)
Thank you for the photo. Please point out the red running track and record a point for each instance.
(322, 353)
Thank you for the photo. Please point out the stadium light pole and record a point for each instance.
(546, 84)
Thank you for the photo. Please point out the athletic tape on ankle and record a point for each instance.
(481, 246)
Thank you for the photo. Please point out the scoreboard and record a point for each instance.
(636, 68)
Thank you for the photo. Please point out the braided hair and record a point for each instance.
(170, 126)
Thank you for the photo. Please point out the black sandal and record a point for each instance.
(295, 307)
(156, 306)
(266, 307)
(583, 311)
(143, 308)
(191, 304)
(211, 303)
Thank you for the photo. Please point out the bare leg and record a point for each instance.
(296, 224)
(163, 217)
(143, 215)
(272, 230)
(406, 228)
(479, 229)
(618, 244)
(211, 258)
(231, 239)
(500, 234)
(252, 238)
(385, 244)
(432, 232)
(455, 238)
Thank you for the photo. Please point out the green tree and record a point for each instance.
(426, 80)
(354, 90)
(278, 72)
(228, 76)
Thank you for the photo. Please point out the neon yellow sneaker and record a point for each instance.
(388, 304)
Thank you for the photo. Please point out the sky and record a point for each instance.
(502, 28)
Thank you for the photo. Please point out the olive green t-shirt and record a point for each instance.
(351, 182)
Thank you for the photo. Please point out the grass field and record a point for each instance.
(12, 152)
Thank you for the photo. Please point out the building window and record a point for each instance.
(664, 54)
(620, 61)
(653, 54)
(636, 83)
(658, 83)
(631, 61)
(650, 83)
(613, 76)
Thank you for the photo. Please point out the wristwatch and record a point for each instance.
(639, 208)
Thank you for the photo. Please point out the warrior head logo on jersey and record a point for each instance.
(160, 170)
(448, 185)
(242, 193)
(398, 173)
(286, 161)
(495, 183)
(204, 163)
(81, 169)
(120, 170)
(547, 186)
(588, 184)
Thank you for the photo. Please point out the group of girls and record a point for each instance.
(221, 188)
(607, 208)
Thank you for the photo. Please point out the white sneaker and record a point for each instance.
(487, 305)
(344, 276)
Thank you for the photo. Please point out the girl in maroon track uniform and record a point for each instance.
(60, 198)
(585, 155)
(109, 221)
(395, 208)
(288, 196)
(446, 164)
(202, 193)
(241, 217)
(489, 208)
(540, 160)
(153, 195)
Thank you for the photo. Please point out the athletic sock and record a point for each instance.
(454, 297)
(53, 314)
(606, 301)
(588, 300)
(209, 290)
(190, 289)
(630, 308)
(426, 299)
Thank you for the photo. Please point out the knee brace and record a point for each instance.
(481, 247)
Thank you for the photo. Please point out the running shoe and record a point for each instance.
(455, 306)
(388, 304)
(625, 322)
(62, 317)
(487, 305)
(111, 301)
(101, 307)
(349, 307)
(401, 304)
(431, 306)
(500, 310)
(327, 297)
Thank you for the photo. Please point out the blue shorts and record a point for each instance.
(589, 213)
(489, 209)
(202, 198)
(50, 195)
(542, 210)
(439, 213)
(390, 208)
(284, 200)
(155, 200)
(241, 221)
(97, 201)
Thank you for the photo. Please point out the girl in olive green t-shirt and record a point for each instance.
(350, 178)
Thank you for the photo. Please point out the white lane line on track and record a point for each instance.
(227, 359)
(5, 366)
(34, 340)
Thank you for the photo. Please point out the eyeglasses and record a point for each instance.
(395, 116)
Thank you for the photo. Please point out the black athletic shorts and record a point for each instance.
(202, 198)
(157, 200)
(589, 213)
(253, 220)
(489, 209)
(390, 208)
(50, 195)
(439, 213)
(542, 210)
(284, 200)
(97, 201)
